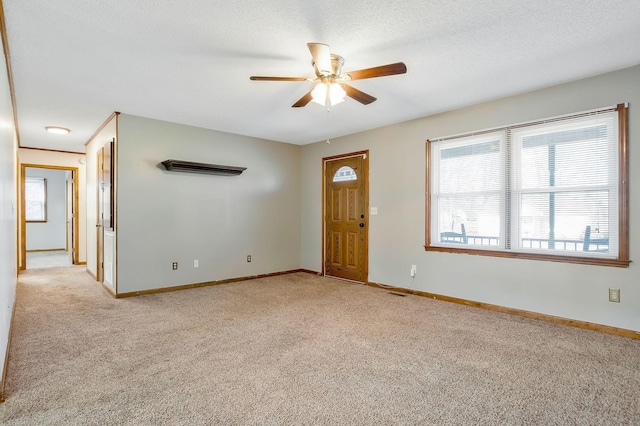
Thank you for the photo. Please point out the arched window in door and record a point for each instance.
(345, 173)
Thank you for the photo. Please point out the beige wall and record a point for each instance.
(63, 159)
(397, 189)
(165, 217)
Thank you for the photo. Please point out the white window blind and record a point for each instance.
(468, 190)
(550, 187)
(35, 193)
(566, 181)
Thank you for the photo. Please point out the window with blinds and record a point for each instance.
(552, 189)
(35, 194)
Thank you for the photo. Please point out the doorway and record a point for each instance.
(48, 216)
(346, 216)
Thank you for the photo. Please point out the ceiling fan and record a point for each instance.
(329, 86)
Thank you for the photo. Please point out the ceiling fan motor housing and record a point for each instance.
(337, 62)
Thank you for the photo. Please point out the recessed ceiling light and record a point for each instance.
(58, 130)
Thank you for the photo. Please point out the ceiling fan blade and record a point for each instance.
(303, 101)
(321, 57)
(358, 95)
(264, 78)
(381, 71)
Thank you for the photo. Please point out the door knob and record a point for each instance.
(362, 225)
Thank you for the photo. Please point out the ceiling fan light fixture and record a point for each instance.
(336, 94)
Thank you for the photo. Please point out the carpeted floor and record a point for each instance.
(301, 349)
(47, 259)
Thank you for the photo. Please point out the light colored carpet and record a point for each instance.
(47, 259)
(301, 349)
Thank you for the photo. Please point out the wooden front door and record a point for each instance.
(346, 217)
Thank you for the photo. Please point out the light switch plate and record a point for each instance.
(374, 211)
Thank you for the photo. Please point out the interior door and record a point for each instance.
(346, 217)
(71, 215)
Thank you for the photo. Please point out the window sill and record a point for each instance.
(584, 260)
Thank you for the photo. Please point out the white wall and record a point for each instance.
(64, 159)
(51, 234)
(164, 216)
(397, 189)
(8, 215)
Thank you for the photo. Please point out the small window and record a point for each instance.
(35, 195)
(345, 173)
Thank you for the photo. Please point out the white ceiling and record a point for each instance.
(75, 62)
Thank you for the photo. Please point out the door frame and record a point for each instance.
(100, 215)
(69, 186)
(325, 160)
(23, 214)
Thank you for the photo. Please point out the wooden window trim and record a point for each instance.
(623, 212)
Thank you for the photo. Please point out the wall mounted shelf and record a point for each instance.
(210, 169)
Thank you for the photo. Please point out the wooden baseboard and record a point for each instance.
(632, 334)
(209, 283)
(81, 263)
(309, 271)
(3, 379)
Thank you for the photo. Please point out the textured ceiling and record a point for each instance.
(74, 62)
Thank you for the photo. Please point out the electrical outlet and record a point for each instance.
(413, 270)
(614, 295)
(195, 263)
(249, 258)
(174, 265)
